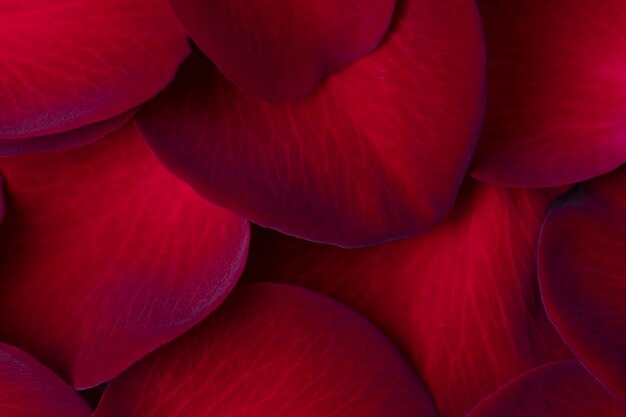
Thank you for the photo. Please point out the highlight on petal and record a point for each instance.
(376, 154)
(65, 64)
(557, 90)
(280, 50)
(461, 302)
(582, 271)
(104, 256)
(272, 350)
(29, 389)
(557, 389)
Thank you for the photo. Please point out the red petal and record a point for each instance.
(582, 265)
(272, 350)
(68, 63)
(376, 154)
(556, 91)
(280, 51)
(462, 302)
(29, 389)
(108, 256)
(554, 390)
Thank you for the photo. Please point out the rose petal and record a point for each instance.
(281, 50)
(556, 91)
(582, 265)
(29, 389)
(554, 390)
(104, 256)
(462, 302)
(69, 63)
(376, 154)
(272, 350)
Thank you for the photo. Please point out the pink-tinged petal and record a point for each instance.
(557, 389)
(377, 154)
(64, 140)
(104, 256)
(582, 271)
(279, 50)
(272, 350)
(29, 389)
(65, 64)
(557, 91)
(461, 302)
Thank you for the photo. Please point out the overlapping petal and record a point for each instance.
(65, 64)
(29, 389)
(582, 260)
(272, 350)
(462, 301)
(557, 90)
(376, 154)
(279, 50)
(557, 389)
(104, 256)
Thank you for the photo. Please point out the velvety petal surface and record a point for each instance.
(272, 350)
(68, 63)
(557, 91)
(29, 389)
(582, 260)
(376, 154)
(104, 256)
(280, 49)
(554, 390)
(461, 302)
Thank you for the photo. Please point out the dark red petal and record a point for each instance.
(582, 266)
(376, 154)
(104, 256)
(280, 50)
(556, 91)
(462, 302)
(555, 390)
(272, 350)
(68, 63)
(29, 389)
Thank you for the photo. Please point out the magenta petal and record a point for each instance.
(272, 350)
(29, 389)
(104, 256)
(555, 390)
(557, 90)
(376, 154)
(582, 265)
(65, 64)
(280, 50)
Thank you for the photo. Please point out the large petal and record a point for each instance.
(555, 390)
(378, 153)
(68, 63)
(104, 256)
(582, 266)
(462, 302)
(557, 91)
(272, 350)
(29, 389)
(280, 50)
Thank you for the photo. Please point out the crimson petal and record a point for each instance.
(272, 350)
(280, 51)
(582, 265)
(108, 257)
(65, 64)
(378, 153)
(462, 302)
(29, 389)
(556, 91)
(554, 390)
